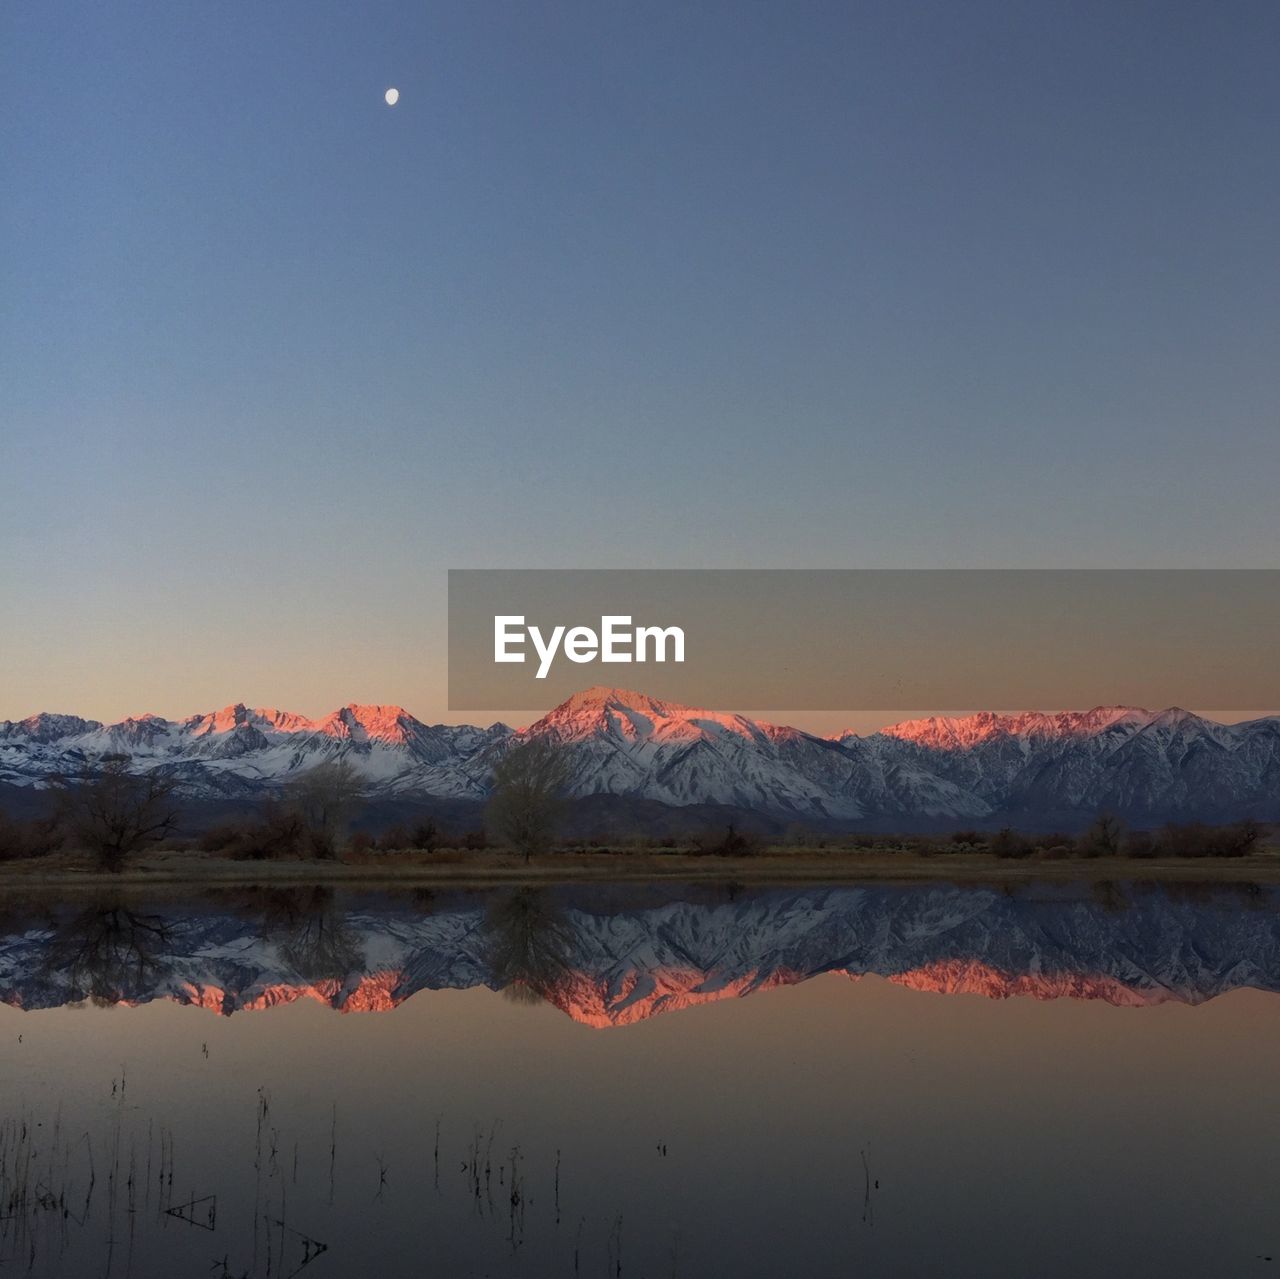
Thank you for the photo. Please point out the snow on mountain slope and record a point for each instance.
(617, 960)
(45, 728)
(239, 749)
(626, 743)
(951, 733)
(1120, 758)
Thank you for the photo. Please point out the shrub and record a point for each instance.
(1007, 842)
(1103, 839)
(361, 843)
(1195, 839)
(1055, 839)
(1139, 844)
(394, 838)
(32, 838)
(279, 832)
(424, 837)
(218, 839)
(733, 843)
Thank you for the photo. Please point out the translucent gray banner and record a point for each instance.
(870, 640)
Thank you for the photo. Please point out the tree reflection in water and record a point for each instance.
(308, 926)
(317, 941)
(529, 942)
(107, 952)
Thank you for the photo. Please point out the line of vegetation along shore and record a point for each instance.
(65, 871)
(111, 823)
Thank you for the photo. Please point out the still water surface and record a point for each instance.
(644, 1081)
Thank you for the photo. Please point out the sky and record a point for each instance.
(657, 285)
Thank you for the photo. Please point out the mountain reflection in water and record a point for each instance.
(613, 956)
(1120, 1121)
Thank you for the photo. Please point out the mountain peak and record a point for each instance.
(601, 699)
(965, 731)
(239, 716)
(628, 744)
(1177, 720)
(600, 694)
(49, 726)
(601, 708)
(370, 723)
(627, 718)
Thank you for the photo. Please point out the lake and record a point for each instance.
(1041, 1079)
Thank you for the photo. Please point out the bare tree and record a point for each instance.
(528, 795)
(1104, 838)
(328, 797)
(111, 812)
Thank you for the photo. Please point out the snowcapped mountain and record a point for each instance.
(620, 957)
(1116, 758)
(242, 750)
(982, 767)
(625, 743)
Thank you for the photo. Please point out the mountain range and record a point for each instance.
(613, 957)
(660, 757)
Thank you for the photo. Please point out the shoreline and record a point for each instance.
(72, 874)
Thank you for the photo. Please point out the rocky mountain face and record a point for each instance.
(619, 956)
(1120, 759)
(243, 751)
(980, 768)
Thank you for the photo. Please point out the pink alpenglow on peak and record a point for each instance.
(49, 727)
(635, 716)
(952, 732)
(239, 716)
(370, 724)
(1170, 765)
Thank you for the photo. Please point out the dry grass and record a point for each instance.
(68, 871)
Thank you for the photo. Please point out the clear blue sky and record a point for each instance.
(740, 284)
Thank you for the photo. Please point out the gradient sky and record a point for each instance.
(722, 285)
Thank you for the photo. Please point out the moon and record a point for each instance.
(392, 96)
